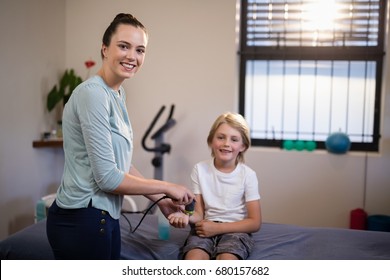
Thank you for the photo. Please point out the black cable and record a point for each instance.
(189, 209)
(143, 217)
(124, 216)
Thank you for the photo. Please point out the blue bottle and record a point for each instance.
(163, 226)
(40, 210)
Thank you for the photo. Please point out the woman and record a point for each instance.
(83, 222)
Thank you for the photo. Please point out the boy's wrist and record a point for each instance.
(188, 213)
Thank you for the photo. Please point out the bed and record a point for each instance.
(272, 242)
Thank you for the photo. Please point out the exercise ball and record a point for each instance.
(338, 143)
(299, 145)
(310, 145)
(288, 145)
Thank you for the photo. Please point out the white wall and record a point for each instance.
(32, 55)
(191, 62)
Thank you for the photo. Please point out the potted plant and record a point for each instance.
(68, 82)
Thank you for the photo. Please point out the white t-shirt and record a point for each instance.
(225, 194)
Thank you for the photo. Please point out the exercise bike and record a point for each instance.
(160, 147)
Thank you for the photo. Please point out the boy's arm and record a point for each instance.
(199, 210)
(251, 223)
(181, 220)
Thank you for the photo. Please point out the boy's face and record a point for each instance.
(227, 144)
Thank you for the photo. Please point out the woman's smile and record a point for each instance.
(128, 67)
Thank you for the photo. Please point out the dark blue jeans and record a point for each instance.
(83, 234)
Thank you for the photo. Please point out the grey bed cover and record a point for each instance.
(272, 242)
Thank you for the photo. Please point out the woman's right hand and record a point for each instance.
(178, 197)
(181, 195)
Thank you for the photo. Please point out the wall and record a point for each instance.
(32, 54)
(191, 62)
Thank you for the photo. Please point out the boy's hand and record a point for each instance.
(179, 219)
(206, 228)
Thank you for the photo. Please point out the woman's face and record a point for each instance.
(126, 52)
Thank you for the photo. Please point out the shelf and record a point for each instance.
(55, 143)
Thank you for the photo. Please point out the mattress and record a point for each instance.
(272, 242)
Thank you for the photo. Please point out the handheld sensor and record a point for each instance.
(189, 209)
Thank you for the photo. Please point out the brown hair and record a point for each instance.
(120, 19)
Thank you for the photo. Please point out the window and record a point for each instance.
(312, 67)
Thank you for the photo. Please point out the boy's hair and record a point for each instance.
(121, 18)
(236, 121)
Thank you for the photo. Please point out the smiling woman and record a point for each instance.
(123, 55)
(83, 221)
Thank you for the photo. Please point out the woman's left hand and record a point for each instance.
(168, 206)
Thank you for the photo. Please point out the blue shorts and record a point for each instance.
(238, 244)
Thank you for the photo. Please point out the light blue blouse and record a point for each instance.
(98, 147)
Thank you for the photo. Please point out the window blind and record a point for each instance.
(310, 23)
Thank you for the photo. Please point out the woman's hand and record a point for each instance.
(168, 207)
(180, 194)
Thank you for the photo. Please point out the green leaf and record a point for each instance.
(53, 98)
(68, 82)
